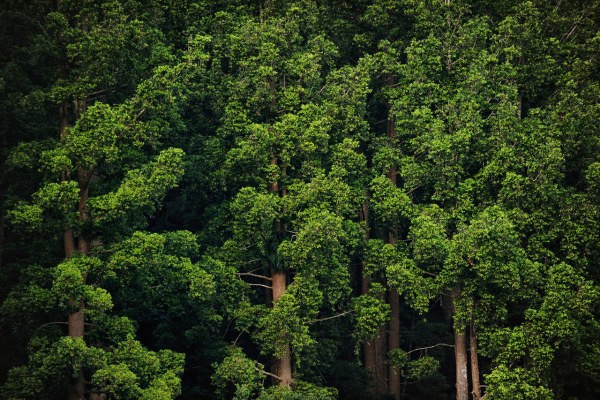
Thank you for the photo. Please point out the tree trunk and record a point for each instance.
(1, 237)
(394, 343)
(474, 362)
(394, 297)
(68, 238)
(282, 366)
(76, 319)
(374, 350)
(460, 355)
(394, 335)
(76, 322)
(381, 371)
(368, 345)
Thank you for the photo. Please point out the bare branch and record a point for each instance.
(262, 371)
(139, 114)
(47, 324)
(332, 317)
(261, 285)
(254, 275)
(104, 91)
(430, 347)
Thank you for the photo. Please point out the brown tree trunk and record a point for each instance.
(394, 297)
(460, 355)
(474, 362)
(394, 343)
(374, 350)
(381, 371)
(394, 389)
(68, 238)
(375, 356)
(76, 321)
(369, 345)
(69, 243)
(1, 237)
(282, 366)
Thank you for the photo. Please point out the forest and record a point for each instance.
(300, 199)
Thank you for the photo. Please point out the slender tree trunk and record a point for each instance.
(394, 297)
(394, 343)
(68, 238)
(460, 355)
(69, 243)
(381, 370)
(368, 345)
(474, 362)
(374, 350)
(282, 366)
(76, 321)
(520, 107)
(394, 337)
(375, 357)
(1, 237)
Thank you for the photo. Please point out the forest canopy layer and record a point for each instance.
(300, 199)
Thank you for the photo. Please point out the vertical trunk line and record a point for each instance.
(381, 370)
(282, 365)
(394, 389)
(460, 354)
(394, 343)
(369, 346)
(63, 123)
(1, 237)
(76, 320)
(474, 362)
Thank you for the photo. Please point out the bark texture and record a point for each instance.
(282, 366)
(368, 345)
(394, 298)
(394, 343)
(475, 383)
(460, 355)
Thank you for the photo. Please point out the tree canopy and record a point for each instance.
(300, 199)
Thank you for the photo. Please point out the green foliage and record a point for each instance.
(286, 324)
(241, 372)
(517, 383)
(254, 139)
(371, 312)
(139, 193)
(301, 390)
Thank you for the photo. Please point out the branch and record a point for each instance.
(51, 323)
(250, 262)
(430, 347)
(139, 114)
(332, 317)
(255, 275)
(261, 285)
(262, 371)
(104, 91)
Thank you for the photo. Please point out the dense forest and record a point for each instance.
(300, 199)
